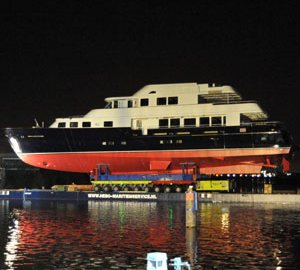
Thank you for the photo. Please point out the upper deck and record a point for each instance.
(176, 94)
(167, 105)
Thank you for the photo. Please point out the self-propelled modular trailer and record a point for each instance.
(103, 181)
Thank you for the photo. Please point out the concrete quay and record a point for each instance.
(202, 197)
(249, 198)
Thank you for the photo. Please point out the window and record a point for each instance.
(163, 123)
(73, 124)
(129, 104)
(216, 121)
(204, 121)
(172, 100)
(224, 120)
(123, 143)
(175, 122)
(161, 101)
(201, 99)
(86, 124)
(189, 122)
(116, 104)
(108, 123)
(61, 124)
(166, 141)
(108, 143)
(144, 102)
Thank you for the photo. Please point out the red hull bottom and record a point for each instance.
(232, 161)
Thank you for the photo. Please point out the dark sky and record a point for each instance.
(61, 58)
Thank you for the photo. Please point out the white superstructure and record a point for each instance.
(170, 105)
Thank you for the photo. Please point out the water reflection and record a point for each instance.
(13, 240)
(255, 236)
(118, 235)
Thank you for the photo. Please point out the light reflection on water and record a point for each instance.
(118, 235)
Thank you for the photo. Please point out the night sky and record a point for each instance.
(61, 58)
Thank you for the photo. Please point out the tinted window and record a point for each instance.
(204, 121)
(73, 124)
(163, 123)
(216, 120)
(108, 123)
(129, 104)
(144, 102)
(86, 124)
(175, 122)
(172, 100)
(61, 124)
(190, 122)
(161, 101)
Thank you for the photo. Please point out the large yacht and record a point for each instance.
(159, 128)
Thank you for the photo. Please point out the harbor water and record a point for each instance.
(119, 234)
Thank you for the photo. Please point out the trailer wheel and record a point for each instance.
(157, 189)
(126, 188)
(147, 189)
(136, 188)
(97, 188)
(167, 189)
(106, 188)
(178, 189)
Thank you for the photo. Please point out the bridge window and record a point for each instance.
(175, 122)
(204, 121)
(172, 100)
(163, 123)
(108, 123)
(189, 122)
(161, 101)
(74, 124)
(62, 124)
(86, 124)
(216, 120)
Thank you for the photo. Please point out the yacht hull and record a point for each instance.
(219, 161)
(127, 151)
